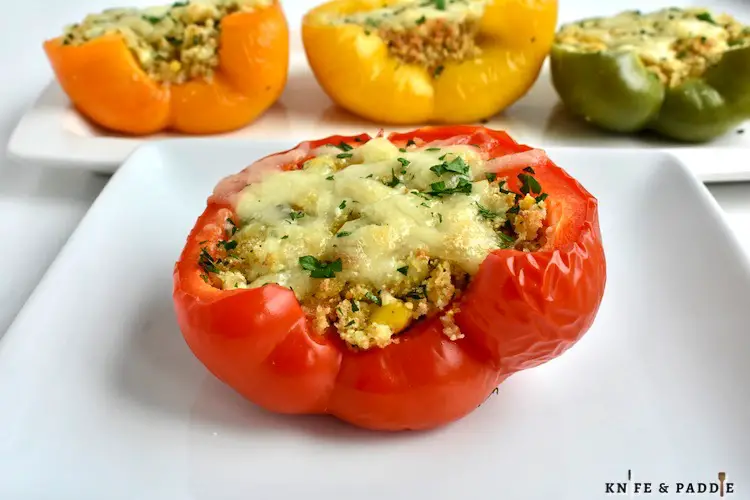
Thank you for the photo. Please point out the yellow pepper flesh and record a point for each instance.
(357, 71)
(394, 315)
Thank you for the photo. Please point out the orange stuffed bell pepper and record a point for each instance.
(193, 67)
(392, 282)
(420, 61)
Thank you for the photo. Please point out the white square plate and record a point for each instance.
(304, 111)
(101, 398)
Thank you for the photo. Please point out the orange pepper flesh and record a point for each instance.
(357, 71)
(106, 84)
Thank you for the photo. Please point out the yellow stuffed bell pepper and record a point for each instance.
(421, 61)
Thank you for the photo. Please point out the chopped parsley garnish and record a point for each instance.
(285, 237)
(174, 41)
(373, 298)
(529, 184)
(513, 210)
(228, 245)
(705, 16)
(207, 262)
(491, 176)
(438, 71)
(320, 269)
(421, 20)
(501, 187)
(344, 146)
(440, 189)
(403, 150)
(204, 278)
(151, 19)
(355, 306)
(180, 4)
(394, 180)
(456, 166)
(329, 178)
(505, 240)
(403, 270)
(350, 323)
(295, 214)
(418, 293)
(403, 161)
(342, 234)
(486, 212)
(541, 197)
(411, 143)
(440, 218)
(344, 155)
(342, 205)
(529, 170)
(440, 4)
(432, 149)
(232, 227)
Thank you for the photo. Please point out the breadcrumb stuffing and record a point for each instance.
(374, 335)
(440, 287)
(423, 32)
(328, 289)
(173, 43)
(450, 328)
(528, 222)
(369, 258)
(419, 308)
(433, 43)
(232, 279)
(673, 44)
(320, 313)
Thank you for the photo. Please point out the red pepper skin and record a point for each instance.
(520, 310)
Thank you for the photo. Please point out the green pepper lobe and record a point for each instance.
(610, 89)
(632, 85)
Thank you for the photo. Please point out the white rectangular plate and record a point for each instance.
(304, 111)
(101, 398)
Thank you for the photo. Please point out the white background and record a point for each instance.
(40, 208)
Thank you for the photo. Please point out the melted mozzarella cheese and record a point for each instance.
(357, 214)
(171, 43)
(674, 44)
(652, 35)
(407, 13)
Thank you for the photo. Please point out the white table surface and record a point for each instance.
(40, 208)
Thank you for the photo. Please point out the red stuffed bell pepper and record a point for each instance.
(390, 282)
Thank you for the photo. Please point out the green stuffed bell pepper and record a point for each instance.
(683, 73)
